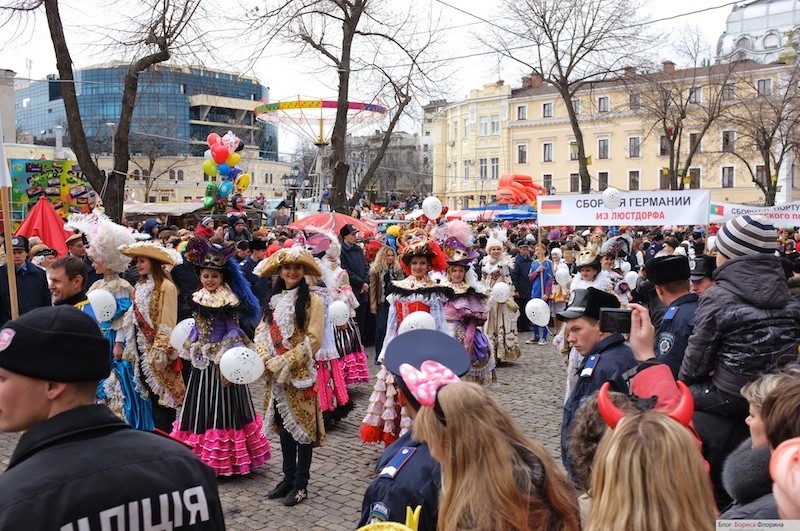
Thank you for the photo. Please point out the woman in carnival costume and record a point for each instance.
(122, 390)
(155, 310)
(385, 269)
(501, 323)
(417, 292)
(218, 420)
(288, 338)
(466, 309)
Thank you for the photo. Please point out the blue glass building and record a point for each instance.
(176, 109)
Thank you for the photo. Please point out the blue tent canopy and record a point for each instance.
(515, 215)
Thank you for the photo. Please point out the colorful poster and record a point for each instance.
(60, 181)
(678, 207)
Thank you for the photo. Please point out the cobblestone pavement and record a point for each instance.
(531, 389)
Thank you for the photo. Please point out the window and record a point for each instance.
(547, 181)
(694, 143)
(495, 161)
(482, 169)
(171, 175)
(602, 148)
(728, 91)
(183, 88)
(634, 147)
(602, 180)
(743, 43)
(466, 128)
(633, 180)
(522, 153)
(695, 95)
(573, 151)
(764, 87)
(761, 174)
(466, 169)
(164, 198)
(727, 176)
(602, 104)
(483, 126)
(771, 41)
(151, 199)
(576, 106)
(522, 112)
(180, 175)
(634, 101)
(574, 182)
(495, 124)
(728, 141)
(663, 144)
(663, 179)
(694, 178)
(547, 110)
(137, 175)
(547, 152)
(455, 130)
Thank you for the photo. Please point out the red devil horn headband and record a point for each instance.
(612, 415)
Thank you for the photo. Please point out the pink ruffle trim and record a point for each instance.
(355, 368)
(330, 385)
(228, 452)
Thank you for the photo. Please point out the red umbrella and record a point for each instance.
(333, 221)
(43, 221)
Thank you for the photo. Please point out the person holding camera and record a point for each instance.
(605, 355)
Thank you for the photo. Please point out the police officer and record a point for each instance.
(670, 274)
(407, 474)
(702, 273)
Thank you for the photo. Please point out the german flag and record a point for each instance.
(551, 206)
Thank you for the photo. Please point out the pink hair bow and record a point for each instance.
(425, 382)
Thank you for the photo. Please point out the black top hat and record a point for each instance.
(665, 269)
(702, 266)
(587, 303)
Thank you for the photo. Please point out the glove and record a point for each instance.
(283, 377)
(276, 364)
(558, 341)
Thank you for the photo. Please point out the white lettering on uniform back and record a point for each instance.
(196, 506)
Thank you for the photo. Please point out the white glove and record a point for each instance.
(558, 341)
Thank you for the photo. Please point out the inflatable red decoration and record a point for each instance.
(518, 189)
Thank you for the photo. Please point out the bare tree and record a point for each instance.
(764, 121)
(381, 46)
(570, 44)
(679, 106)
(151, 36)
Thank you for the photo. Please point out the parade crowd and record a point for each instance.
(680, 348)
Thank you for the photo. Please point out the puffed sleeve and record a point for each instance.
(314, 331)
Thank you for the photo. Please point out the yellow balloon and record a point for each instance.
(233, 159)
(243, 181)
(394, 230)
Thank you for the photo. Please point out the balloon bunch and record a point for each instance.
(223, 158)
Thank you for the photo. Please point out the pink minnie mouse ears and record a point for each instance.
(425, 383)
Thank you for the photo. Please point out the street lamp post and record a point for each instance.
(292, 184)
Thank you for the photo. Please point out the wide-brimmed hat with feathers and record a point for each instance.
(296, 254)
(104, 238)
(456, 238)
(207, 255)
(152, 250)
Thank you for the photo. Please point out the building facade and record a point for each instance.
(176, 109)
(526, 130)
(762, 30)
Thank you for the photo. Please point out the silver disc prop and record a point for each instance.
(241, 365)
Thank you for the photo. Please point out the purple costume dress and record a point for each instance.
(218, 419)
(465, 312)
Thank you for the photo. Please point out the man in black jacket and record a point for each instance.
(78, 466)
(32, 291)
(355, 264)
(522, 283)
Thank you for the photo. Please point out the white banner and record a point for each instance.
(675, 207)
(787, 215)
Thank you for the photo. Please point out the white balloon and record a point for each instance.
(104, 305)
(612, 198)
(563, 277)
(501, 292)
(538, 312)
(181, 333)
(632, 278)
(207, 154)
(625, 266)
(339, 313)
(711, 243)
(432, 207)
(417, 321)
(241, 365)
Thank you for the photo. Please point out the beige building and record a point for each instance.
(526, 130)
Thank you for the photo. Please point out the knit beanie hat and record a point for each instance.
(206, 221)
(56, 344)
(747, 235)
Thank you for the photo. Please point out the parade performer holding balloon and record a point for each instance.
(287, 339)
(420, 254)
(218, 420)
(541, 274)
(155, 310)
(466, 309)
(112, 300)
(503, 312)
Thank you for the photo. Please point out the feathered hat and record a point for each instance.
(206, 255)
(104, 238)
(617, 245)
(296, 254)
(417, 242)
(457, 243)
(152, 250)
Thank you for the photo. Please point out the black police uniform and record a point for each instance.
(407, 477)
(673, 333)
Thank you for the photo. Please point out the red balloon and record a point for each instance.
(212, 139)
(219, 153)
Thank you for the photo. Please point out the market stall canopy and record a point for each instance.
(333, 221)
(43, 221)
(157, 209)
(515, 215)
(480, 215)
